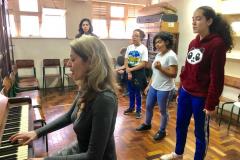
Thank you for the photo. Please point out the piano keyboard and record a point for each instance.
(17, 121)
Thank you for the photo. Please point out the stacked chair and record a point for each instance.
(26, 82)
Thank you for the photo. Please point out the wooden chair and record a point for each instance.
(26, 65)
(233, 82)
(51, 63)
(24, 83)
(67, 75)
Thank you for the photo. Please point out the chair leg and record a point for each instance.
(217, 109)
(63, 81)
(238, 116)
(230, 117)
(220, 115)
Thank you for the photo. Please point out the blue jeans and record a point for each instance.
(188, 105)
(162, 97)
(134, 93)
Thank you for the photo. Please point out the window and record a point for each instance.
(53, 23)
(31, 19)
(12, 25)
(117, 11)
(28, 5)
(117, 29)
(29, 26)
(101, 27)
(116, 20)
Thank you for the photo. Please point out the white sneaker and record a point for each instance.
(171, 156)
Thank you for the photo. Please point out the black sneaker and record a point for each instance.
(159, 135)
(138, 115)
(127, 111)
(144, 127)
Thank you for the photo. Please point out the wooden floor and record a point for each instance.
(132, 145)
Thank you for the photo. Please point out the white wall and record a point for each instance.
(38, 49)
(41, 48)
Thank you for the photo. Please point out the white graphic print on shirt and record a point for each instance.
(134, 58)
(195, 55)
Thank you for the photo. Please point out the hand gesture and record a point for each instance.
(146, 90)
(129, 76)
(158, 65)
(24, 137)
(120, 71)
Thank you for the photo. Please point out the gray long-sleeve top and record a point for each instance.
(94, 128)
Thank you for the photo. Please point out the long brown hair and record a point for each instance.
(101, 75)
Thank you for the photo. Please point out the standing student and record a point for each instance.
(164, 67)
(85, 28)
(135, 61)
(94, 110)
(202, 80)
(121, 71)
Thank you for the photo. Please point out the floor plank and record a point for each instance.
(132, 145)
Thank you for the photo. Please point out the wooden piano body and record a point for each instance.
(15, 116)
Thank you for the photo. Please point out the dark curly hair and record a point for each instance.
(166, 37)
(219, 26)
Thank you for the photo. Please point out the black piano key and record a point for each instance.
(14, 112)
(13, 119)
(16, 129)
(6, 137)
(11, 125)
(7, 143)
(8, 150)
(9, 157)
(13, 122)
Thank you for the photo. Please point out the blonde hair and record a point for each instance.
(100, 75)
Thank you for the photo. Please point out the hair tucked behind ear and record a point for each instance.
(219, 26)
(101, 75)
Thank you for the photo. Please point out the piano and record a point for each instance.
(15, 116)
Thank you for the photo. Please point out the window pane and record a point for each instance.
(117, 29)
(53, 23)
(12, 26)
(28, 5)
(29, 26)
(117, 11)
(100, 28)
(236, 27)
(131, 25)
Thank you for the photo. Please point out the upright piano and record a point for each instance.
(15, 116)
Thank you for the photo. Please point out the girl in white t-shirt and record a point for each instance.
(164, 68)
(136, 58)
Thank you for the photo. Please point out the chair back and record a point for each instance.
(25, 63)
(51, 62)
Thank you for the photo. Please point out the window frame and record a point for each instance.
(14, 10)
(105, 13)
